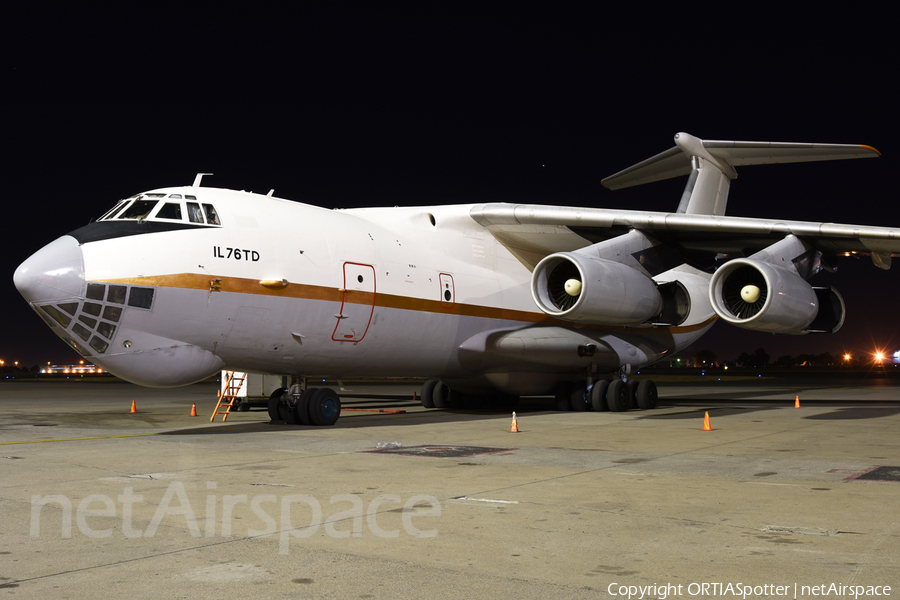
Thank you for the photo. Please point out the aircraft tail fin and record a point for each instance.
(710, 165)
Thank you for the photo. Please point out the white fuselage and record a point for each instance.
(287, 288)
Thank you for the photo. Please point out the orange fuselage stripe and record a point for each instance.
(195, 281)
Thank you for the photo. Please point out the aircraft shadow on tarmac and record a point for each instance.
(531, 407)
(849, 413)
(691, 412)
(843, 413)
(365, 420)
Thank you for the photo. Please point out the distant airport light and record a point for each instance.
(67, 369)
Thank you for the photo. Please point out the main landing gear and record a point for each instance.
(314, 406)
(436, 394)
(616, 395)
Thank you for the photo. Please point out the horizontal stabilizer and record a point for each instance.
(675, 161)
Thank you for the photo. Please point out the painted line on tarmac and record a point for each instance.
(132, 435)
(211, 430)
(98, 437)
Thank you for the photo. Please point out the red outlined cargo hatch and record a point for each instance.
(358, 303)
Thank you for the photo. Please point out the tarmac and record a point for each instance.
(99, 502)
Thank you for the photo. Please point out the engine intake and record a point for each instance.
(760, 296)
(575, 287)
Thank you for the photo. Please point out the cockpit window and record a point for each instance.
(165, 207)
(211, 216)
(114, 209)
(195, 215)
(139, 209)
(170, 210)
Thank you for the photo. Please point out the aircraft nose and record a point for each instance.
(53, 273)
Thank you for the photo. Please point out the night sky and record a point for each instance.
(361, 107)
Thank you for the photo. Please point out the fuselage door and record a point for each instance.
(358, 303)
(448, 291)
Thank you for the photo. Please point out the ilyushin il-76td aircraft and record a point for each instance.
(480, 300)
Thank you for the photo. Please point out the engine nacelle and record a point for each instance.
(576, 287)
(763, 297)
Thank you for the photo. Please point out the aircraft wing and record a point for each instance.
(532, 231)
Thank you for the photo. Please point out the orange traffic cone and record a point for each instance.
(514, 428)
(133, 407)
(193, 410)
(706, 425)
(797, 402)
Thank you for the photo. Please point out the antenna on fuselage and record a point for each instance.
(198, 178)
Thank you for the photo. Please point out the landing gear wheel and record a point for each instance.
(578, 399)
(288, 415)
(427, 394)
(458, 399)
(441, 395)
(617, 396)
(631, 390)
(563, 392)
(646, 395)
(274, 401)
(598, 395)
(324, 407)
(301, 409)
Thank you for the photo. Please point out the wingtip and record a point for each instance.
(866, 147)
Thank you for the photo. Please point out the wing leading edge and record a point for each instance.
(699, 226)
(691, 231)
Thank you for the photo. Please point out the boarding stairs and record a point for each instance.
(228, 395)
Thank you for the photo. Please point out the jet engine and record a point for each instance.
(581, 288)
(757, 295)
